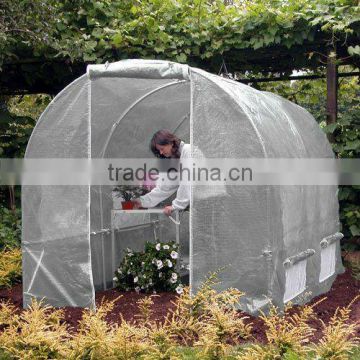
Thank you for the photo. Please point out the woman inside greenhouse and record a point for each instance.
(165, 144)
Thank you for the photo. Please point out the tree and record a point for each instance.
(259, 35)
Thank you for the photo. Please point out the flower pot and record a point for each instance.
(127, 205)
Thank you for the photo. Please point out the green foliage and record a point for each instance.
(14, 134)
(347, 130)
(355, 354)
(93, 340)
(28, 105)
(287, 335)
(339, 337)
(129, 192)
(180, 30)
(26, 27)
(18, 115)
(197, 32)
(151, 270)
(350, 212)
(5, 355)
(10, 228)
(40, 332)
(37, 333)
(355, 269)
(10, 267)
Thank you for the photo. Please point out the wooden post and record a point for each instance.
(332, 87)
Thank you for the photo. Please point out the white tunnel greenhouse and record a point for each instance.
(274, 242)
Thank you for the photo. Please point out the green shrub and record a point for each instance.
(151, 270)
(10, 228)
(339, 337)
(349, 197)
(40, 332)
(37, 333)
(10, 267)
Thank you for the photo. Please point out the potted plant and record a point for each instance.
(128, 193)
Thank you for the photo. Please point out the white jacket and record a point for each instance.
(162, 192)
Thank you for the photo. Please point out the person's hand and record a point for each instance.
(168, 210)
(137, 203)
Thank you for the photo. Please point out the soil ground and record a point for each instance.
(343, 291)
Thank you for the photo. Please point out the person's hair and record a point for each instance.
(165, 137)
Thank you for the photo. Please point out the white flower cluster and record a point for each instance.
(162, 269)
(174, 278)
(115, 279)
(160, 263)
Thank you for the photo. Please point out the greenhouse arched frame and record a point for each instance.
(274, 242)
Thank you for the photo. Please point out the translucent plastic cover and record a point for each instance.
(255, 234)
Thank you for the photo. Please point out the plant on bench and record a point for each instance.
(128, 193)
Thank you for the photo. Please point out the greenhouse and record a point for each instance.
(274, 242)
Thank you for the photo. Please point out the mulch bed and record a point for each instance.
(343, 291)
